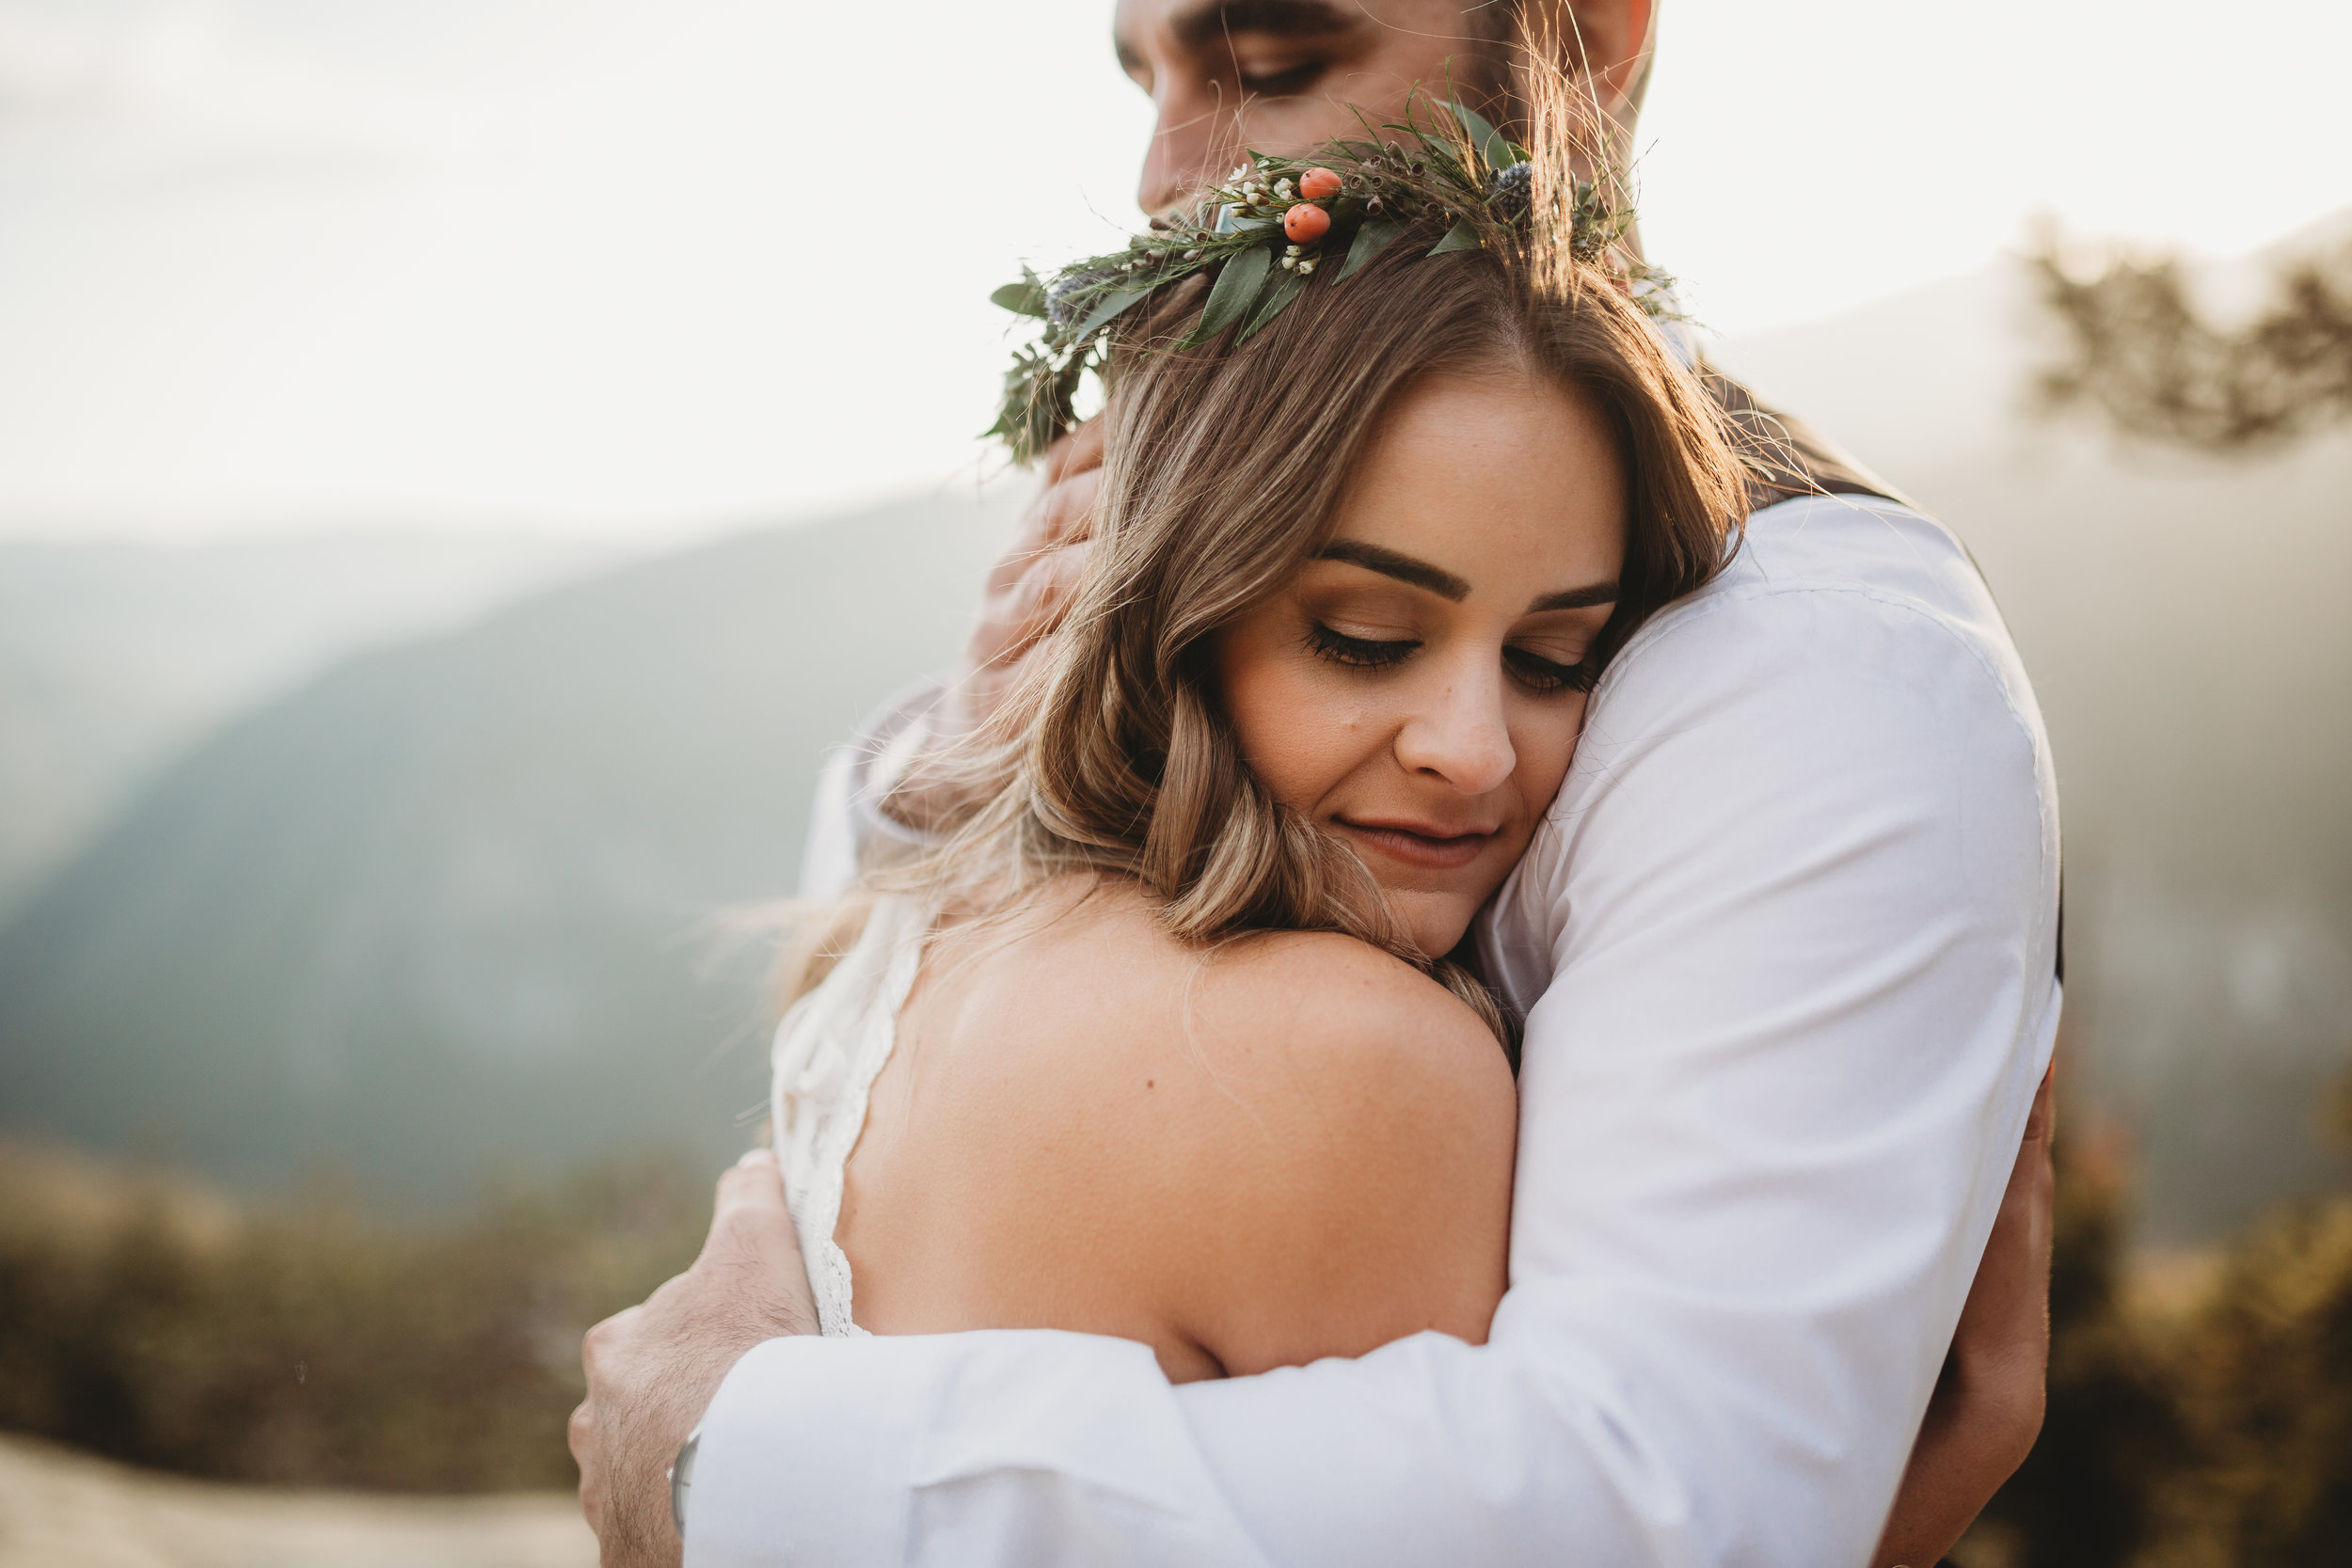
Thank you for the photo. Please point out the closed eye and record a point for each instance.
(1363, 653)
(1538, 673)
(1288, 83)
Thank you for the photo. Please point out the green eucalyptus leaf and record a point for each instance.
(1025, 298)
(1280, 293)
(1235, 287)
(1107, 308)
(1492, 145)
(1372, 237)
(1460, 237)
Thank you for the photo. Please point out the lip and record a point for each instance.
(1423, 846)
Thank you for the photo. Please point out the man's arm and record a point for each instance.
(1769, 1101)
(848, 830)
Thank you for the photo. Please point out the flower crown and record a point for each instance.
(1267, 230)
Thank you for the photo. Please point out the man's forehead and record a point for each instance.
(1196, 24)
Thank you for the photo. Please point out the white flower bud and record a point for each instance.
(1305, 266)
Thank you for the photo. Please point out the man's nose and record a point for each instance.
(1186, 146)
(1461, 735)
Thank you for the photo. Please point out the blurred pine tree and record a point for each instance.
(2139, 350)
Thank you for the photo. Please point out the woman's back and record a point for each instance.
(1291, 1147)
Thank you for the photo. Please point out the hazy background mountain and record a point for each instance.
(434, 906)
(437, 909)
(115, 655)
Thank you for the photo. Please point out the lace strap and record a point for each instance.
(829, 1050)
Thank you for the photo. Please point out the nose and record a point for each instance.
(1462, 735)
(1186, 146)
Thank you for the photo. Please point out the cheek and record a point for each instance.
(1300, 733)
(1545, 743)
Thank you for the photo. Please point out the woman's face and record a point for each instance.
(1415, 689)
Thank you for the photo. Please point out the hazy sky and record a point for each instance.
(281, 264)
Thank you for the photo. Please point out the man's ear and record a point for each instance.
(1612, 40)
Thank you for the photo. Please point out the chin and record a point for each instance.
(1436, 922)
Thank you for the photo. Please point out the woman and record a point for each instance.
(1359, 562)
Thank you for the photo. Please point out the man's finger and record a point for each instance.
(1062, 509)
(1065, 512)
(754, 1182)
(1075, 452)
(580, 1435)
(579, 1432)
(594, 1344)
(1036, 607)
(750, 1223)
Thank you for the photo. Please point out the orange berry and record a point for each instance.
(1305, 222)
(1318, 184)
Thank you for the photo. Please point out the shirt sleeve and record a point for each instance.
(1789, 936)
(846, 825)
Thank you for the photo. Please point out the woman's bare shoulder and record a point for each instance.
(1293, 1025)
(1299, 1144)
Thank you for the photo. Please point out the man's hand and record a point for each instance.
(1027, 592)
(653, 1370)
(1029, 589)
(1987, 1411)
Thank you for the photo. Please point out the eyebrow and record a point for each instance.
(1372, 558)
(1216, 20)
(1576, 599)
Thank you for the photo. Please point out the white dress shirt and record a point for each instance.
(1787, 941)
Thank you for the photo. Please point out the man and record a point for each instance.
(1775, 1070)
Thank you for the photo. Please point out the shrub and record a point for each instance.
(308, 1343)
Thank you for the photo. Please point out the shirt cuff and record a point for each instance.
(786, 1474)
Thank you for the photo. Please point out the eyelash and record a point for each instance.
(1531, 671)
(1285, 83)
(1357, 652)
(1541, 674)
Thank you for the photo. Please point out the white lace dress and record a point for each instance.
(829, 1050)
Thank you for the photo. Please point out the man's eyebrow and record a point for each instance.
(1215, 20)
(1576, 599)
(1372, 558)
